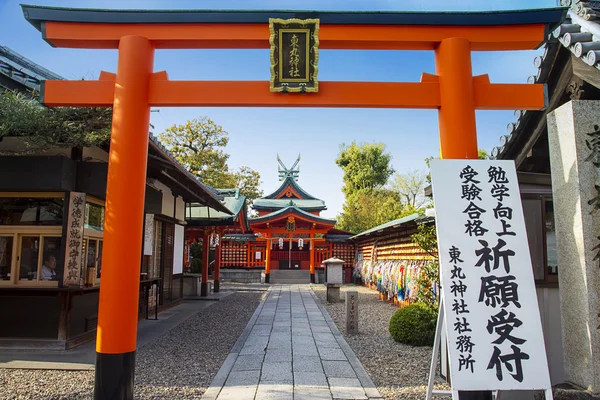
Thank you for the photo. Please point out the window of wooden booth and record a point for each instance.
(92, 259)
(30, 238)
(37, 259)
(541, 234)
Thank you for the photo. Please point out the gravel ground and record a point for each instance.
(179, 365)
(399, 371)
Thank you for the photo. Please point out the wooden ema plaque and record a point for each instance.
(294, 55)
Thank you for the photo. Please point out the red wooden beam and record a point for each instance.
(164, 93)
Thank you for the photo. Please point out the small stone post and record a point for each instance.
(352, 311)
(574, 142)
(334, 270)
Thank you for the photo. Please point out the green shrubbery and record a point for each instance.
(414, 325)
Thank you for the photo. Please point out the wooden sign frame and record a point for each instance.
(294, 50)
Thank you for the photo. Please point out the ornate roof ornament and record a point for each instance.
(285, 172)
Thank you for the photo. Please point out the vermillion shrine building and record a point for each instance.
(285, 242)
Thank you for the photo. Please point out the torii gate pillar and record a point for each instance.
(125, 192)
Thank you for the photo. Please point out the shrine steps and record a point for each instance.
(297, 276)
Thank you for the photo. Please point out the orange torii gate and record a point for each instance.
(136, 87)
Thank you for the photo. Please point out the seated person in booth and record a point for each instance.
(48, 269)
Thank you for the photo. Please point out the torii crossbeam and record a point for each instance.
(136, 87)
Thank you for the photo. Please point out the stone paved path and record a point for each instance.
(291, 349)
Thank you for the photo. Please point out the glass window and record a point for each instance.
(6, 247)
(28, 267)
(94, 217)
(532, 209)
(50, 256)
(91, 254)
(31, 211)
(551, 253)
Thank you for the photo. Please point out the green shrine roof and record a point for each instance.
(197, 214)
(291, 208)
(305, 204)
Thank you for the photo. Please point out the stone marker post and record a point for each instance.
(352, 311)
(574, 141)
(334, 269)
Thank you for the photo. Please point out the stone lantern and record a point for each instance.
(334, 277)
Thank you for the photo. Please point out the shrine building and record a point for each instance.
(285, 242)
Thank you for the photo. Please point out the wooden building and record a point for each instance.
(388, 259)
(52, 228)
(285, 242)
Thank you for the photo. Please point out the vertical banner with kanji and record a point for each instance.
(74, 248)
(493, 325)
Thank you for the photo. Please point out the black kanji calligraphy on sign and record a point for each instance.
(457, 273)
(466, 362)
(499, 191)
(461, 326)
(595, 202)
(464, 344)
(474, 228)
(502, 211)
(496, 290)
(468, 174)
(471, 192)
(497, 175)
(505, 231)
(486, 258)
(594, 145)
(512, 362)
(459, 307)
(454, 255)
(458, 288)
(77, 201)
(473, 211)
(503, 324)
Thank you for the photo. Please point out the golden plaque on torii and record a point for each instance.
(294, 55)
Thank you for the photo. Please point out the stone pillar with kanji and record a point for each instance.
(574, 142)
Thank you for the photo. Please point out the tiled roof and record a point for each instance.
(232, 199)
(22, 70)
(289, 209)
(291, 182)
(28, 73)
(579, 33)
(305, 204)
(394, 224)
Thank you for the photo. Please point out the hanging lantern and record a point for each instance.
(300, 243)
(281, 243)
(214, 240)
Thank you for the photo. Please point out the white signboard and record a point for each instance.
(149, 235)
(492, 320)
(178, 250)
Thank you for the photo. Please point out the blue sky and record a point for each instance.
(257, 135)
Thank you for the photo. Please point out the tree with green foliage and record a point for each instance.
(426, 239)
(41, 128)
(199, 146)
(365, 166)
(411, 188)
(481, 155)
(368, 208)
(368, 202)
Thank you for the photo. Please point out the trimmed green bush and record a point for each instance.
(414, 325)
